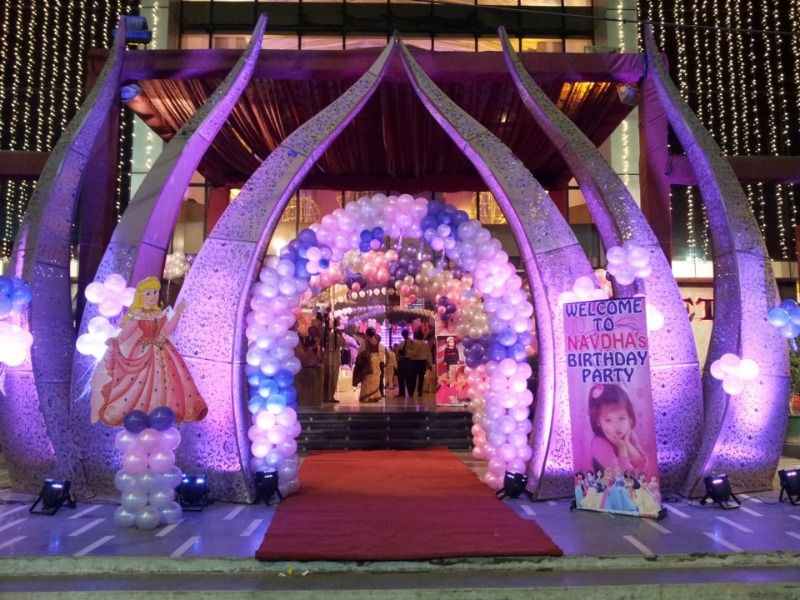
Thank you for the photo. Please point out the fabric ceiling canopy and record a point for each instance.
(393, 143)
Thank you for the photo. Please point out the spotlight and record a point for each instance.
(718, 489)
(790, 484)
(513, 486)
(55, 493)
(267, 486)
(628, 94)
(136, 30)
(192, 493)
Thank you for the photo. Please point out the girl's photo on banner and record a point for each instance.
(613, 435)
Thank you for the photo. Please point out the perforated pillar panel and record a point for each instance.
(33, 414)
(217, 291)
(742, 434)
(139, 243)
(673, 358)
(553, 259)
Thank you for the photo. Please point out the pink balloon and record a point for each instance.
(162, 461)
(134, 463)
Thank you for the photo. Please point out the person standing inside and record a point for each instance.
(420, 355)
(391, 367)
(382, 358)
(403, 366)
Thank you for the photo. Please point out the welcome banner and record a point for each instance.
(611, 409)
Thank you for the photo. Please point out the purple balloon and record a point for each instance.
(162, 418)
(136, 421)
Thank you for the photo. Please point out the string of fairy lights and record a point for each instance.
(742, 83)
(42, 82)
(715, 46)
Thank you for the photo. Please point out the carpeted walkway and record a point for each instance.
(396, 505)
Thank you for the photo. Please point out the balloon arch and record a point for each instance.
(424, 249)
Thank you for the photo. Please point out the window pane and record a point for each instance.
(230, 42)
(280, 42)
(542, 45)
(454, 44)
(578, 3)
(462, 201)
(577, 44)
(194, 41)
(493, 44)
(489, 210)
(418, 42)
(321, 42)
(352, 42)
(498, 2)
(542, 3)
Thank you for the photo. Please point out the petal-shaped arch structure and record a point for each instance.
(32, 434)
(140, 241)
(675, 373)
(553, 260)
(743, 434)
(210, 336)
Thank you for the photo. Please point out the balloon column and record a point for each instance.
(734, 372)
(15, 342)
(786, 317)
(148, 477)
(418, 248)
(110, 296)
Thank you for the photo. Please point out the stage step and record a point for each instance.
(374, 431)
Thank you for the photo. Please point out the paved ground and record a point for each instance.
(228, 530)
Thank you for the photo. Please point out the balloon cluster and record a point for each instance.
(786, 318)
(734, 372)
(585, 288)
(15, 342)
(371, 239)
(445, 308)
(111, 295)
(372, 268)
(628, 262)
(504, 419)
(94, 341)
(175, 266)
(440, 226)
(148, 477)
(15, 295)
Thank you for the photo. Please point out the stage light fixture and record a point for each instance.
(136, 30)
(790, 484)
(514, 486)
(192, 493)
(54, 494)
(267, 486)
(718, 489)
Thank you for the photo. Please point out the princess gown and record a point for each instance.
(142, 371)
(618, 499)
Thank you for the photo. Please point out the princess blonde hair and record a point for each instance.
(148, 283)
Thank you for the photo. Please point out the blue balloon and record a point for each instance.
(294, 244)
(525, 338)
(300, 269)
(308, 236)
(497, 351)
(6, 285)
(507, 337)
(444, 218)
(290, 393)
(161, 418)
(518, 352)
(428, 222)
(277, 399)
(5, 306)
(135, 421)
(778, 317)
(283, 378)
(377, 233)
(302, 251)
(435, 207)
(451, 308)
(253, 379)
(363, 246)
(460, 217)
(324, 264)
(365, 236)
(472, 363)
(256, 405)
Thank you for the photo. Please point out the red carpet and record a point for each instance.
(396, 505)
